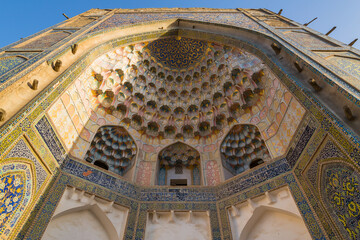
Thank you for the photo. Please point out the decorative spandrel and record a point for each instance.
(340, 189)
(112, 149)
(12, 192)
(243, 148)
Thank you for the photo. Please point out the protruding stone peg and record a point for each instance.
(306, 24)
(276, 48)
(56, 66)
(297, 65)
(74, 48)
(2, 115)
(349, 115)
(65, 16)
(331, 30)
(353, 42)
(279, 13)
(315, 85)
(33, 85)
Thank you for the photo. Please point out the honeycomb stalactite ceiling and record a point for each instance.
(113, 149)
(177, 88)
(242, 146)
(178, 53)
(179, 153)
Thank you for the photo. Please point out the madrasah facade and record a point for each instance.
(179, 124)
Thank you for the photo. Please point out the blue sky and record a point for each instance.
(19, 19)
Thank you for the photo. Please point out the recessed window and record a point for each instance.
(101, 164)
(178, 182)
(256, 162)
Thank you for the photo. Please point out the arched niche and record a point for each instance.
(273, 223)
(242, 148)
(179, 165)
(79, 211)
(113, 149)
(339, 184)
(86, 222)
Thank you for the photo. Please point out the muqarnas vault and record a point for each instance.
(181, 124)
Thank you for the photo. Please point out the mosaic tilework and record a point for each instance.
(253, 178)
(45, 41)
(294, 153)
(49, 136)
(329, 151)
(277, 22)
(143, 175)
(21, 150)
(346, 61)
(178, 53)
(103, 179)
(78, 22)
(340, 187)
(234, 19)
(11, 195)
(16, 190)
(8, 63)
(307, 39)
(212, 173)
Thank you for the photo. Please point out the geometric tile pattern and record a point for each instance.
(293, 115)
(177, 53)
(234, 19)
(8, 63)
(48, 135)
(308, 40)
(21, 150)
(329, 151)
(45, 41)
(212, 173)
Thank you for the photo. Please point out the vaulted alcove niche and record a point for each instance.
(243, 148)
(176, 88)
(179, 165)
(113, 149)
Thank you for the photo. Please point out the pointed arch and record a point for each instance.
(99, 218)
(283, 225)
(179, 161)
